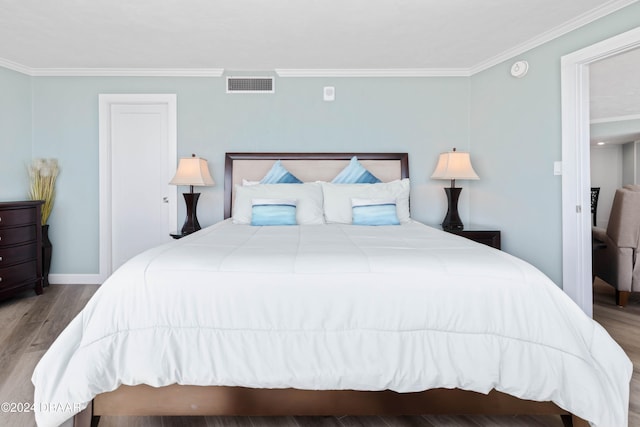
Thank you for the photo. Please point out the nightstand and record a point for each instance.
(178, 235)
(487, 237)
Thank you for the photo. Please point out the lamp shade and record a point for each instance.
(192, 171)
(454, 165)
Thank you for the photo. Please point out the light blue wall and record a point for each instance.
(422, 116)
(516, 135)
(15, 134)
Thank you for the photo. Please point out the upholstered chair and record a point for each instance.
(615, 249)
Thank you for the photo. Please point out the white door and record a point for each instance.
(139, 160)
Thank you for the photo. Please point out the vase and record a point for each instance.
(46, 255)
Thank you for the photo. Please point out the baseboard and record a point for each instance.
(75, 279)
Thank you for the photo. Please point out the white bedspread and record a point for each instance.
(404, 308)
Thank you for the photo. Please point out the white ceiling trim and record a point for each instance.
(616, 119)
(552, 34)
(404, 72)
(15, 66)
(111, 72)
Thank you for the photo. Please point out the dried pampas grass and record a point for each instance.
(43, 174)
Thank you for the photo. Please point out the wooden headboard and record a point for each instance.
(308, 167)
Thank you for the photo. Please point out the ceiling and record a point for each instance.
(282, 34)
(615, 86)
(615, 97)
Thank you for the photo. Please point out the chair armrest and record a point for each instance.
(599, 233)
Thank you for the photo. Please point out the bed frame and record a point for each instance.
(186, 400)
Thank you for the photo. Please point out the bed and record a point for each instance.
(329, 319)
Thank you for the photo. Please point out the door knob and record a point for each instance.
(165, 200)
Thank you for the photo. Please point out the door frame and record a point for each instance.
(576, 167)
(104, 112)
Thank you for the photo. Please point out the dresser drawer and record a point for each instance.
(16, 274)
(12, 217)
(12, 236)
(17, 254)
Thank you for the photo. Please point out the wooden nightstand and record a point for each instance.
(487, 237)
(178, 235)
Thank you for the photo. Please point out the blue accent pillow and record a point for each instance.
(278, 174)
(355, 173)
(273, 212)
(374, 212)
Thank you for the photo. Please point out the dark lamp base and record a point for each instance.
(191, 223)
(452, 227)
(452, 221)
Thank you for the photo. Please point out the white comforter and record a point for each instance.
(404, 308)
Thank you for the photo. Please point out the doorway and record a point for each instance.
(138, 152)
(576, 215)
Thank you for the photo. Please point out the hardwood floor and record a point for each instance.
(29, 324)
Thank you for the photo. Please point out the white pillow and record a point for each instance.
(308, 196)
(337, 198)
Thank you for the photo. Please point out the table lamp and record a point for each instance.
(453, 165)
(192, 171)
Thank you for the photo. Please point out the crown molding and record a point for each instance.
(567, 27)
(391, 72)
(5, 63)
(111, 72)
(218, 72)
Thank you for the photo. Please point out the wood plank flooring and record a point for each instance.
(29, 324)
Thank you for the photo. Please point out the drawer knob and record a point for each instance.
(0, 258)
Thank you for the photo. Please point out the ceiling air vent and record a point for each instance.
(250, 85)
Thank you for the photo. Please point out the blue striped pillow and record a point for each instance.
(273, 212)
(278, 174)
(355, 173)
(374, 212)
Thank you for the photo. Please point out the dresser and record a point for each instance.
(20, 247)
